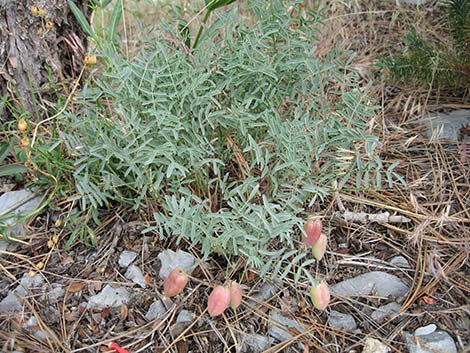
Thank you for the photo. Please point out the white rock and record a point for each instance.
(384, 312)
(400, 261)
(109, 297)
(279, 326)
(341, 321)
(373, 345)
(379, 283)
(135, 274)
(171, 260)
(425, 330)
(19, 203)
(126, 258)
(446, 125)
(430, 341)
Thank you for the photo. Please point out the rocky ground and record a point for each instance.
(82, 299)
(397, 259)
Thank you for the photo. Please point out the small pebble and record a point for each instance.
(109, 297)
(171, 260)
(135, 274)
(126, 258)
(341, 321)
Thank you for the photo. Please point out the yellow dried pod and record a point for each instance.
(40, 265)
(40, 32)
(24, 142)
(49, 25)
(32, 273)
(58, 223)
(50, 244)
(34, 11)
(90, 60)
(22, 125)
(41, 12)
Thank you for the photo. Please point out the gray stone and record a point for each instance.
(18, 203)
(372, 345)
(279, 326)
(109, 297)
(171, 260)
(425, 330)
(255, 343)
(32, 325)
(158, 308)
(183, 320)
(135, 274)
(430, 341)
(267, 290)
(185, 316)
(28, 282)
(54, 293)
(341, 321)
(386, 311)
(377, 283)
(446, 126)
(400, 261)
(126, 258)
(12, 303)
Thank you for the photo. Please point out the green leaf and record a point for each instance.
(115, 19)
(81, 19)
(12, 169)
(211, 5)
(4, 150)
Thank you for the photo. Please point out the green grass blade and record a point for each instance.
(81, 19)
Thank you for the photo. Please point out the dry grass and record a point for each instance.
(436, 197)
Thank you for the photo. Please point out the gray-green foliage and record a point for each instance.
(231, 140)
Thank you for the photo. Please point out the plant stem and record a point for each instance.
(204, 20)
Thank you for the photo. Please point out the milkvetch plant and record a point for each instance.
(230, 141)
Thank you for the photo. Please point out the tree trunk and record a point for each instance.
(40, 42)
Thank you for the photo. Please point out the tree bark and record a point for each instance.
(40, 42)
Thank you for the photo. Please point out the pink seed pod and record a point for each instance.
(319, 248)
(320, 296)
(218, 301)
(175, 282)
(236, 293)
(313, 230)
